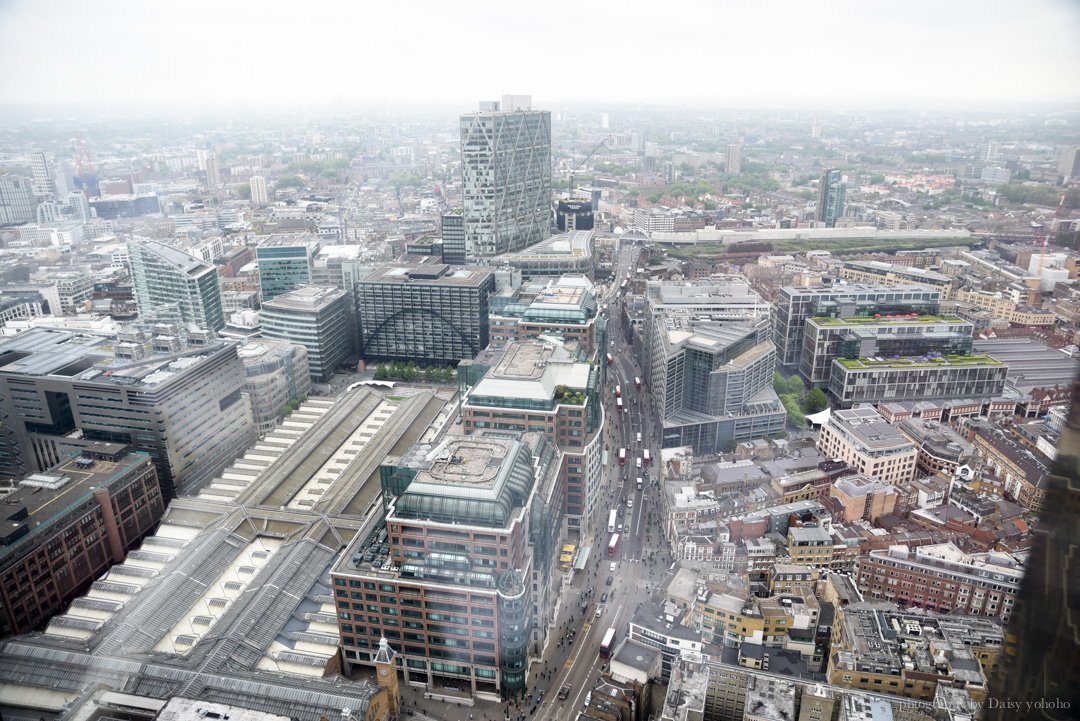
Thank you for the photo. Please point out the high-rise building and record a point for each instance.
(734, 159)
(44, 184)
(531, 385)
(453, 237)
(506, 176)
(1069, 162)
(844, 300)
(831, 194)
(80, 206)
(285, 262)
(463, 560)
(60, 391)
(708, 362)
(16, 200)
(320, 319)
(424, 312)
(213, 172)
(173, 285)
(259, 195)
(110, 499)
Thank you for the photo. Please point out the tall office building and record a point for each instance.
(16, 200)
(425, 312)
(506, 176)
(173, 285)
(734, 159)
(1069, 163)
(831, 193)
(462, 562)
(80, 206)
(213, 172)
(61, 391)
(709, 364)
(44, 184)
(285, 262)
(843, 300)
(259, 195)
(320, 319)
(453, 237)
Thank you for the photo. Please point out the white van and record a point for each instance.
(637, 462)
(639, 438)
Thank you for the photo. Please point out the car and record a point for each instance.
(613, 566)
(629, 502)
(603, 597)
(610, 580)
(600, 610)
(565, 690)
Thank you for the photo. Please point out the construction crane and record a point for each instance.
(570, 185)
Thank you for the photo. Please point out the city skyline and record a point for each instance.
(337, 55)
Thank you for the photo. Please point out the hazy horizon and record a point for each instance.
(781, 55)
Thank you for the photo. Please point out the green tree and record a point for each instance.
(289, 181)
(794, 414)
(380, 373)
(243, 192)
(729, 446)
(815, 401)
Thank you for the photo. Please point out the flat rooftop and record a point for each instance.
(306, 297)
(287, 240)
(47, 495)
(913, 319)
(869, 428)
(86, 357)
(429, 274)
(929, 361)
(459, 461)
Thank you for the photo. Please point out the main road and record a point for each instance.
(642, 559)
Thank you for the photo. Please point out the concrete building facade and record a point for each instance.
(428, 313)
(60, 390)
(319, 319)
(866, 442)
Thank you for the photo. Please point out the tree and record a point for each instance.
(380, 373)
(794, 415)
(815, 401)
(289, 181)
(243, 192)
(729, 446)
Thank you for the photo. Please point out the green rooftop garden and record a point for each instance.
(919, 362)
(872, 320)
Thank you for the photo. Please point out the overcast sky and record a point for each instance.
(366, 52)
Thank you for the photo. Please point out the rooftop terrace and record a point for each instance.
(930, 361)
